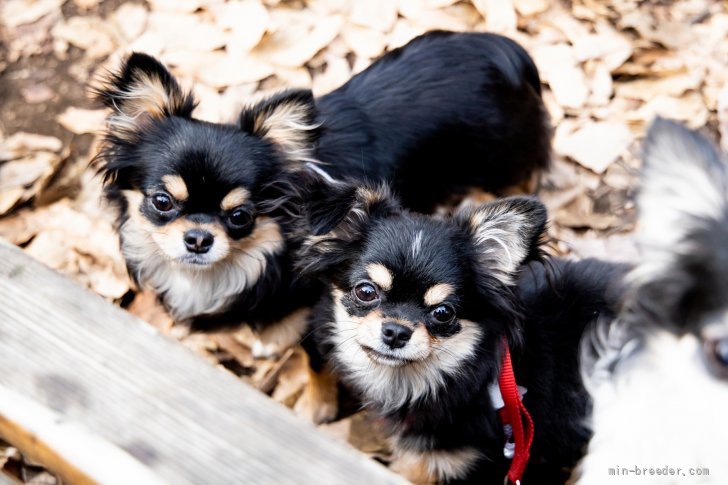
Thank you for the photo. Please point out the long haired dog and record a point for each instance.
(657, 374)
(200, 217)
(416, 313)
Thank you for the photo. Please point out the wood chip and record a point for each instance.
(28, 170)
(37, 93)
(422, 19)
(85, 248)
(500, 15)
(91, 34)
(80, 121)
(247, 22)
(10, 197)
(337, 73)
(600, 84)
(596, 145)
(647, 89)
(183, 6)
(608, 46)
(689, 108)
(559, 69)
(529, 8)
(210, 104)
(618, 247)
(402, 33)
(435, 4)
(86, 4)
(363, 41)
(180, 31)
(296, 45)
(224, 70)
(291, 379)
(580, 214)
(375, 14)
(569, 87)
(673, 35)
(18, 12)
(238, 351)
(131, 20)
(21, 143)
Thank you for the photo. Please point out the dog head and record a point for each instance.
(659, 376)
(197, 197)
(415, 298)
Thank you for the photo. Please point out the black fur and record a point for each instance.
(542, 317)
(444, 112)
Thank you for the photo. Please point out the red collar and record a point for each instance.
(514, 416)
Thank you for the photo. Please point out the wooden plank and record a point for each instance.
(105, 398)
(7, 480)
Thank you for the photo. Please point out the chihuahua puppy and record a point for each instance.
(658, 373)
(202, 211)
(415, 315)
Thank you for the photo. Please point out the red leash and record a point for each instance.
(514, 415)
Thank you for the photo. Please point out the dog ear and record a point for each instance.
(682, 209)
(141, 91)
(505, 234)
(338, 216)
(288, 120)
(684, 183)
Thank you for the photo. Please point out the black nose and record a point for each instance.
(198, 241)
(395, 335)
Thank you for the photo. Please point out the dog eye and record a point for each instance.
(443, 313)
(239, 218)
(162, 202)
(366, 292)
(716, 352)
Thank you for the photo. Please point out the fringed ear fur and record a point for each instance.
(338, 216)
(288, 120)
(505, 234)
(140, 91)
(682, 206)
(684, 183)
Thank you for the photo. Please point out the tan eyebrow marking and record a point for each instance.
(379, 274)
(437, 293)
(234, 198)
(176, 186)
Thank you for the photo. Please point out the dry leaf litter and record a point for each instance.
(607, 66)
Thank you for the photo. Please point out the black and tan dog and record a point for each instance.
(200, 205)
(416, 314)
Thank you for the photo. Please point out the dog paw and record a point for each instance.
(314, 410)
(319, 401)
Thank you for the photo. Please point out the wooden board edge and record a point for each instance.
(75, 454)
